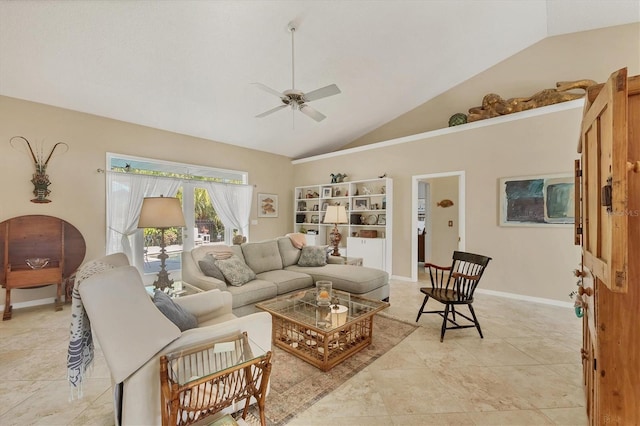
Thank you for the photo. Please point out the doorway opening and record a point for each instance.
(443, 229)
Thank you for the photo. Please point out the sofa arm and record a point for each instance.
(206, 283)
(336, 260)
(206, 305)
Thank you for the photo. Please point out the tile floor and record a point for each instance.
(526, 371)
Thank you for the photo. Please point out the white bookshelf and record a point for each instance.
(369, 208)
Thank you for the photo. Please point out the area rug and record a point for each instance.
(296, 385)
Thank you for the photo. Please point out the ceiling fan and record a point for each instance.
(295, 98)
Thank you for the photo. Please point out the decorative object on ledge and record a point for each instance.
(40, 178)
(239, 239)
(162, 213)
(338, 177)
(493, 105)
(445, 203)
(457, 119)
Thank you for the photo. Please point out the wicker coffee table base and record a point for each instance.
(322, 349)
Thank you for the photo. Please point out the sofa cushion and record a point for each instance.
(349, 278)
(287, 281)
(176, 314)
(288, 252)
(313, 256)
(252, 292)
(209, 268)
(235, 271)
(263, 256)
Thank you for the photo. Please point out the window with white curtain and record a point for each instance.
(130, 179)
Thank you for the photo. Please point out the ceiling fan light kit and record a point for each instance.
(295, 98)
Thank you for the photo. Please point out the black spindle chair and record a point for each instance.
(454, 285)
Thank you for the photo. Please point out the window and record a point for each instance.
(184, 181)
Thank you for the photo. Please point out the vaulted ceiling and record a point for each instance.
(187, 66)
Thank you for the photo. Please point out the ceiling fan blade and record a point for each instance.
(269, 90)
(307, 110)
(271, 111)
(323, 92)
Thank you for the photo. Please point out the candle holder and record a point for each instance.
(323, 293)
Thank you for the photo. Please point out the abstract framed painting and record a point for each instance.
(541, 200)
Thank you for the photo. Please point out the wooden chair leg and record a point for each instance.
(475, 320)
(444, 322)
(426, 298)
(453, 312)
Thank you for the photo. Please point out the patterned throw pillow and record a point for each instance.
(313, 256)
(183, 319)
(235, 271)
(209, 268)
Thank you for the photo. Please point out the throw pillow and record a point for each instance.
(177, 314)
(313, 256)
(209, 268)
(235, 271)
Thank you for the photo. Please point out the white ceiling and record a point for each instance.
(186, 66)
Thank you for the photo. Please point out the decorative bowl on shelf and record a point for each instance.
(37, 262)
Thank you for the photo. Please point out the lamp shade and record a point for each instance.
(161, 212)
(335, 214)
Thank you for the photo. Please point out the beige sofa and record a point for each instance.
(277, 272)
(133, 334)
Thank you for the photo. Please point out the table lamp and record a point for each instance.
(335, 215)
(162, 213)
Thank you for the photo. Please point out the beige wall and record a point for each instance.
(78, 190)
(444, 239)
(585, 55)
(529, 261)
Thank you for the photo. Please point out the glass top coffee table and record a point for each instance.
(324, 336)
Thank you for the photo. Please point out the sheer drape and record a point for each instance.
(125, 194)
(232, 203)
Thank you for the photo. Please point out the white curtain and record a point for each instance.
(125, 193)
(232, 203)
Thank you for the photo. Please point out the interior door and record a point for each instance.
(604, 148)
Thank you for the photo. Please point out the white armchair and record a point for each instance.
(133, 334)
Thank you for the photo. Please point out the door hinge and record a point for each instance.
(579, 230)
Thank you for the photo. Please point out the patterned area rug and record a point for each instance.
(296, 385)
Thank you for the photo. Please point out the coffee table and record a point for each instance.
(314, 334)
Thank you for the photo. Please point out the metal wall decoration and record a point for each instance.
(40, 178)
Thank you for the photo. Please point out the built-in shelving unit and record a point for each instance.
(369, 210)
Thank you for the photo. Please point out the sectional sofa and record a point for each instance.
(277, 267)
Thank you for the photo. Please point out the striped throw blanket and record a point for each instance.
(80, 353)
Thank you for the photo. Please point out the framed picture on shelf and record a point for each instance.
(382, 219)
(324, 206)
(302, 206)
(315, 218)
(267, 205)
(315, 207)
(361, 203)
(326, 192)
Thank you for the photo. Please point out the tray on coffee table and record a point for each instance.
(320, 335)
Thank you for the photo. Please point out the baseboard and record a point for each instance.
(526, 298)
(30, 303)
(401, 278)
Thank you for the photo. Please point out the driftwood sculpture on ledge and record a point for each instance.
(493, 105)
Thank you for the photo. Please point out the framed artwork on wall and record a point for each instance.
(542, 200)
(267, 205)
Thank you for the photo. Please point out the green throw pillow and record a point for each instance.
(235, 271)
(313, 256)
(209, 268)
(177, 314)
